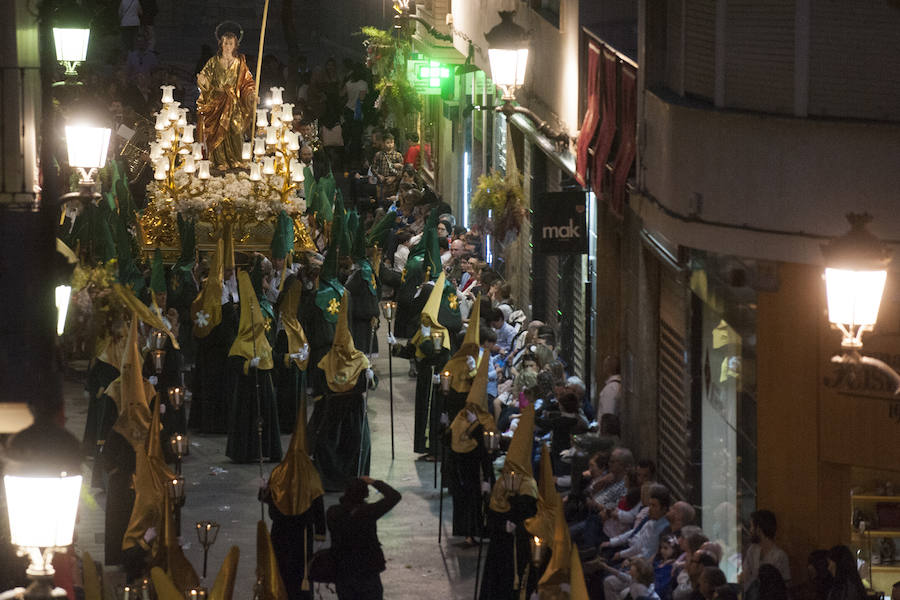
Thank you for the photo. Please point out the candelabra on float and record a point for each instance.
(274, 164)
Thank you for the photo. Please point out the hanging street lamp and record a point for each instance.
(856, 265)
(508, 46)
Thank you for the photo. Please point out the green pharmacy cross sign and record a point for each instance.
(427, 76)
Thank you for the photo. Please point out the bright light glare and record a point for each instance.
(508, 67)
(42, 509)
(62, 306)
(854, 296)
(71, 44)
(87, 146)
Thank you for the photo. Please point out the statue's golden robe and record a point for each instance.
(226, 110)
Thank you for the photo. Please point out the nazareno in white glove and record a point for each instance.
(370, 375)
(470, 416)
(426, 331)
(470, 362)
(254, 362)
(153, 379)
(436, 379)
(391, 339)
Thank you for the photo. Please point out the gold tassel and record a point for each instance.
(305, 584)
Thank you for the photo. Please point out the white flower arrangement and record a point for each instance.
(195, 201)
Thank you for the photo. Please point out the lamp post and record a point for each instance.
(87, 147)
(855, 273)
(508, 46)
(207, 531)
(42, 481)
(179, 444)
(388, 308)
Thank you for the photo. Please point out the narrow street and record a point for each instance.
(217, 489)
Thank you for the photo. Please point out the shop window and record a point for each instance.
(549, 9)
(724, 399)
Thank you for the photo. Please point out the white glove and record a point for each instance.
(150, 534)
(470, 416)
(162, 408)
(435, 379)
(445, 419)
(304, 351)
(426, 331)
(254, 362)
(153, 379)
(296, 356)
(370, 375)
(470, 362)
(392, 341)
(486, 487)
(510, 527)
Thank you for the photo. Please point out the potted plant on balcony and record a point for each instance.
(498, 204)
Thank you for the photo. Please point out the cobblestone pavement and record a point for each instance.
(219, 490)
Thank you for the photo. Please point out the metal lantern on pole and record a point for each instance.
(388, 309)
(856, 265)
(43, 482)
(159, 360)
(87, 147)
(176, 398)
(207, 531)
(71, 46)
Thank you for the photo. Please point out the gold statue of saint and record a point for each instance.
(227, 101)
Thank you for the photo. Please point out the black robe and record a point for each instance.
(429, 400)
(463, 474)
(502, 561)
(243, 445)
(118, 462)
(289, 382)
(288, 532)
(364, 306)
(209, 413)
(320, 333)
(340, 438)
(101, 416)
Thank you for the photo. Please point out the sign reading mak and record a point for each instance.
(560, 224)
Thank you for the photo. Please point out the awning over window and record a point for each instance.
(591, 116)
(627, 138)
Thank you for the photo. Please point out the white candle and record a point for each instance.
(287, 112)
(197, 151)
(293, 140)
(271, 136)
(204, 169)
(174, 113)
(167, 93)
(246, 151)
(296, 171)
(188, 165)
(276, 95)
(155, 151)
(261, 120)
(188, 136)
(165, 140)
(182, 117)
(254, 172)
(259, 147)
(162, 120)
(162, 165)
(276, 120)
(269, 165)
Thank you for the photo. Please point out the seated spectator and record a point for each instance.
(636, 583)
(444, 247)
(726, 592)
(711, 578)
(682, 514)
(688, 587)
(819, 579)
(846, 583)
(762, 549)
(662, 565)
(646, 471)
(505, 332)
(644, 541)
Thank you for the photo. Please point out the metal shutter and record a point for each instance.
(700, 48)
(673, 453)
(759, 56)
(854, 63)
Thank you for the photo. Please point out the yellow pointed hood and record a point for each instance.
(251, 338)
(91, 582)
(577, 587)
(143, 312)
(460, 441)
(558, 569)
(518, 460)
(543, 523)
(295, 482)
(223, 588)
(430, 315)
(206, 309)
(460, 374)
(287, 309)
(271, 587)
(228, 246)
(132, 394)
(164, 586)
(343, 363)
(178, 567)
